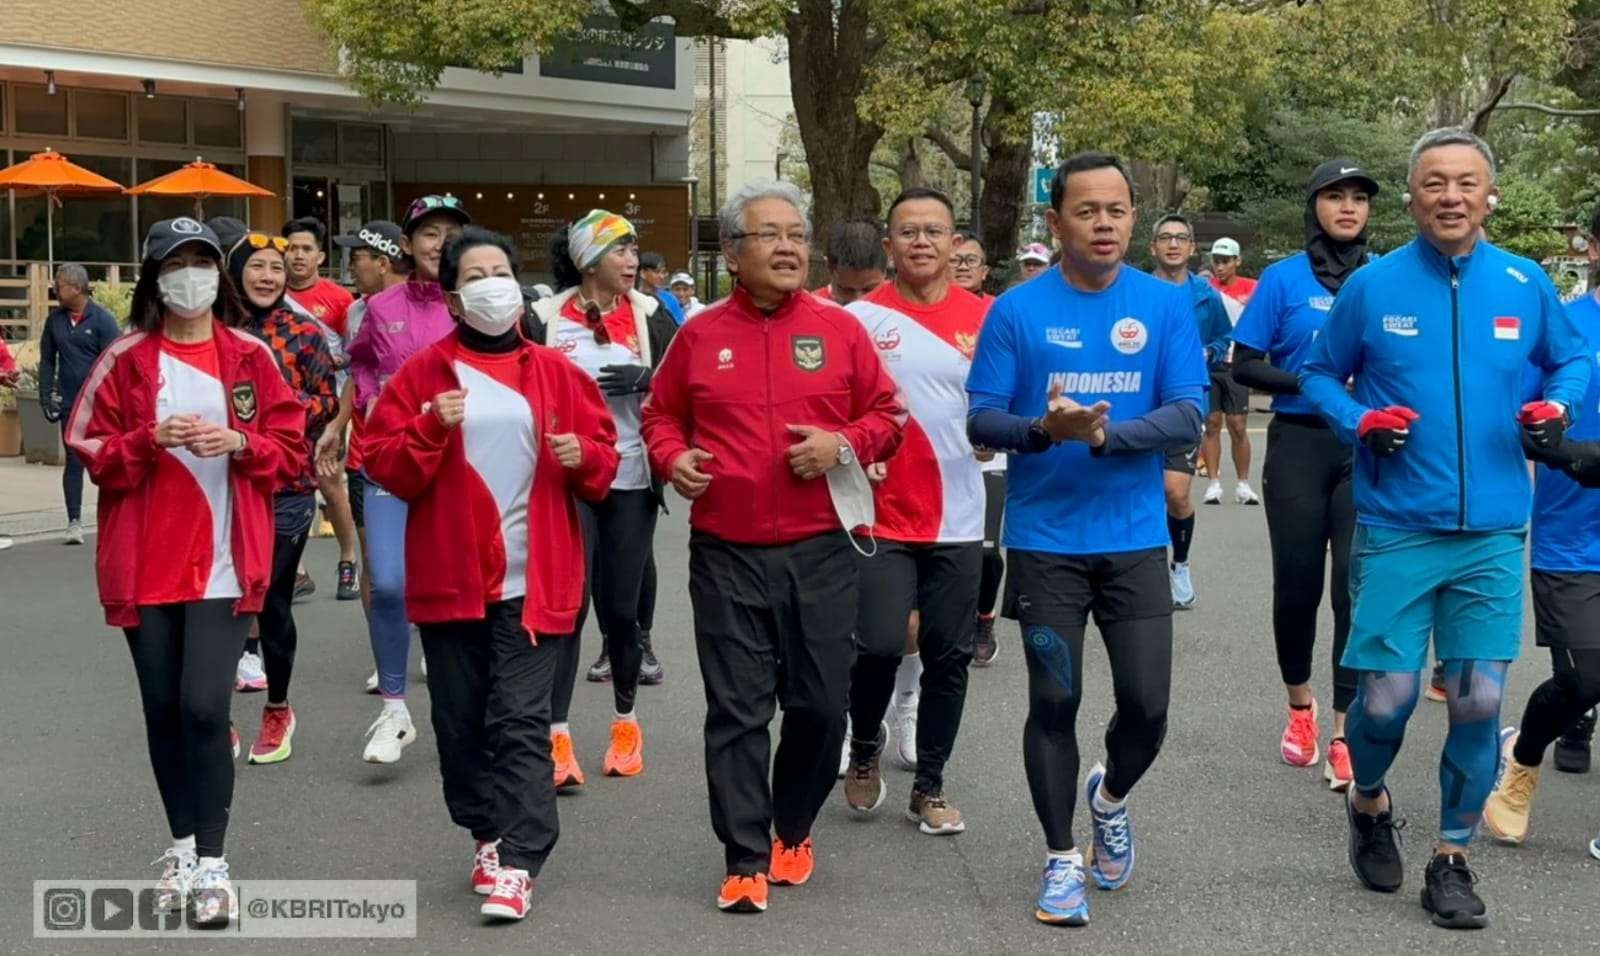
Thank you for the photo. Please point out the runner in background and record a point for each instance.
(1171, 245)
(682, 286)
(1230, 402)
(856, 261)
(75, 333)
(1034, 259)
(653, 282)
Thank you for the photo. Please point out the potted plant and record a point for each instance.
(10, 424)
(41, 438)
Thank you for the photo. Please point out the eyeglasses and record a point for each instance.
(260, 240)
(1173, 238)
(770, 237)
(934, 233)
(967, 262)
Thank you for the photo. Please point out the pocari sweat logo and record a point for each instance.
(1064, 337)
(1405, 325)
(1321, 303)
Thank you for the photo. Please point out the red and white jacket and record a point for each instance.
(456, 555)
(733, 382)
(112, 429)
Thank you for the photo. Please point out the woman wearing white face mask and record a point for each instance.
(616, 335)
(186, 426)
(489, 439)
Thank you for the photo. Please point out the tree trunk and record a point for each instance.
(827, 75)
(1008, 164)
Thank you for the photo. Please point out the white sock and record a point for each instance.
(1244, 484)
(630, 716)
(560, 728)
(212, 862)
(396, 705)
(1071, 856)
(1103, 804)
(187, 843)
(908, 679)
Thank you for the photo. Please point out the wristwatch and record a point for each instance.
(847, 455)
(244, 444)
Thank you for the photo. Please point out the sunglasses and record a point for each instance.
(260, 240)
(426, 204)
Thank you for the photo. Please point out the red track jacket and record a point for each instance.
(113, 430)
(453, 526)
(731, 384)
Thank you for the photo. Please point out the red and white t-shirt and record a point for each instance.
(934, 492)
(499, 436)
(573, 338)
(187, 549)
(328, 301)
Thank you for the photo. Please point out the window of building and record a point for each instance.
(164, 119)
(361, 144)
(87, 228)
(315, 140)
(40, 113)
(2, 114)
(216, 123)
(99, 115)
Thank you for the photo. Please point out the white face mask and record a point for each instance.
(491, 305)
(852, 501)
(190, 291)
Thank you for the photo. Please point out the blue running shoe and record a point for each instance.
(1113, 837)
(1061, 898)
(1594, 848)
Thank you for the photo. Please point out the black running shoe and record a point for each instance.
(1375, 846)
(1572, 747)
(304, 587)
(650, 670)
(600, 670)
(985, 650)
(349, 584)
(1448, 896)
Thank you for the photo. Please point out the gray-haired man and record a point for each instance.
(75, 333)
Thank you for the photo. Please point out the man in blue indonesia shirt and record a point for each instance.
(1171, 245)
(1090, 372)
(1437, 336)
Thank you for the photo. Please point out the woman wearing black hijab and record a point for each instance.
(1306, 479)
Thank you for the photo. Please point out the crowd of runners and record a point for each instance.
(866, 464)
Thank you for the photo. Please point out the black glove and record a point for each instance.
(624, 379)
(1543, 422)
(51, 408)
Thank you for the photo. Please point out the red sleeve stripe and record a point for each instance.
(83, 411)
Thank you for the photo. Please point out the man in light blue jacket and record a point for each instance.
(1436, 337)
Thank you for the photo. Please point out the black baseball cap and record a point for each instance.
(1340, 170)
(167, 235)
(379, 235)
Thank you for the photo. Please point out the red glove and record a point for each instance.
(1384, 430)
(1545, 423)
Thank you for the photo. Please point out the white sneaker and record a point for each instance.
(211, 894)
(5, 542)
(1213, 494)
(249, 676)
(390, 734)
(372, 683)
(175, 877)
(1245, 495)
(1183, 596)
(74, 533)
(423, 666)
(903, 718)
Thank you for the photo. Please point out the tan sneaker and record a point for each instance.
(864, 789)
(933, 815)
(1505, 815)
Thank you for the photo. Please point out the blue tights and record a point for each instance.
(386, 567)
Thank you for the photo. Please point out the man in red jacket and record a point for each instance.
(763, 413)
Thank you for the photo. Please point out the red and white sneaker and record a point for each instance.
(485, 867)
(274, 741)
(233, 740)
(1299, 745)
(1337, 770)
(513, 890)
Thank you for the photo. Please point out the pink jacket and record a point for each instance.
(400, 322)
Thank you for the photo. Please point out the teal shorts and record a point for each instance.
(1463, 588)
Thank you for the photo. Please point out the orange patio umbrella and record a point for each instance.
(55, 176)
(198, 179)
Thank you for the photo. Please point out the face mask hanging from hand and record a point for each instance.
(852, 502)
(491, 305)
(190, 291)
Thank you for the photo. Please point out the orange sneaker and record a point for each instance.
(568, 774)
(1299, 745)
(791, 865)
(743, 894)
(625, 756)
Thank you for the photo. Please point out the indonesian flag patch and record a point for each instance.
(1507, 327)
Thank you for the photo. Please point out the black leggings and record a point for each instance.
(1305, 485)
(1555, 704)
(994, 566)
(279, 636)
(647, 595)
(184, 656)
(1140, 651)
(619, 537)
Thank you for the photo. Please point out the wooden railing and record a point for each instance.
(27, 293)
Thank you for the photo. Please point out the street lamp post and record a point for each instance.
(779, 165)
(975, 186)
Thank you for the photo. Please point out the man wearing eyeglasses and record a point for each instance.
(929, 528)
(1171, 245)
(762, 413)
(969, 265)
(1230, 401)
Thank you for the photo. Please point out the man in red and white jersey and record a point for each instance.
(930, 511)
(856, 263)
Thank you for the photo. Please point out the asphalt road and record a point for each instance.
(1237, 852)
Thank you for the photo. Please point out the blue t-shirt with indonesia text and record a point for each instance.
(1134, 344)
(1566, 516)
(1283, 319)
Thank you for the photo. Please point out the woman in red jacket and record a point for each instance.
(489, 439)
(186, 427)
